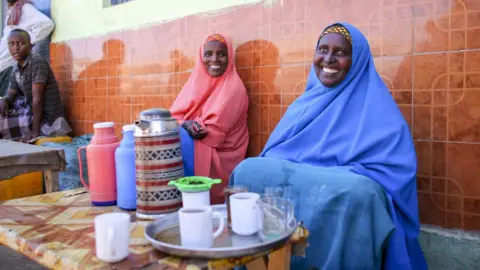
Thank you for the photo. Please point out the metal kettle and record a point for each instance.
(158, 160)
(156, 122)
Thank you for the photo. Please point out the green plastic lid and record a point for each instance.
(194, 183)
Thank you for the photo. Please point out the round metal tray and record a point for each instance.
(164, 235)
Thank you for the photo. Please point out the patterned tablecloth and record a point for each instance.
(57, 231)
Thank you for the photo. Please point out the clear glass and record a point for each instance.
(273, 191)
(275, 215)
(279, 191)
(229, 191)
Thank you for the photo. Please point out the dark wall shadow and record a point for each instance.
(63, 64)
(109, 65)
(180, 66)
(97, 81)
(257, 63)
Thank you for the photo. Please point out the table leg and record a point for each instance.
(258, 264)
(280, 258)
(51, 181)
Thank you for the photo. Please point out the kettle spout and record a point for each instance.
(142, 124)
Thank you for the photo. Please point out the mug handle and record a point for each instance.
(110, 238)
(259, 213)
(79, 153)
(221, 226)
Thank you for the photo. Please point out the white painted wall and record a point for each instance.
(75, 19)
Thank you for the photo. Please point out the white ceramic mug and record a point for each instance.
(193, 199)
(244, 211)
(112, 236)
(196, 226)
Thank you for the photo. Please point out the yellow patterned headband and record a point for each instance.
(216, 37)
(338, 29)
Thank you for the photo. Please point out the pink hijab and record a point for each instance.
(220, 106)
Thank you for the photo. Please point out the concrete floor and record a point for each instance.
(10, 260)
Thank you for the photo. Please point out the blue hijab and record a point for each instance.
(357, 126)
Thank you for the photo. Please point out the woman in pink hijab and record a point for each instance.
(212, 109)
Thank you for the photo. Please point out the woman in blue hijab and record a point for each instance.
(344, 151)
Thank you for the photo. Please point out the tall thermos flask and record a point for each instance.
(125, 168)
(102, 184)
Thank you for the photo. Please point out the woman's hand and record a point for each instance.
(194, 129)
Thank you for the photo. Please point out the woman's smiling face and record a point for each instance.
(332, 60)
(215, 58)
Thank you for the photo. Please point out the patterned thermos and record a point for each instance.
(158, 160)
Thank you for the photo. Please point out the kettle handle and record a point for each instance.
(79, 152)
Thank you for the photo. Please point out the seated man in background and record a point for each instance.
(32, 106)
(22, 14)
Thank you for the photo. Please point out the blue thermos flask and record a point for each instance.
(125, 168)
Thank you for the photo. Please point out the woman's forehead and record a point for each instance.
(215, 44)
(334, 39)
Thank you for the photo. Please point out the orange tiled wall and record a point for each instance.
(427, 51)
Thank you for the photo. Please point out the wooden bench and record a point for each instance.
(20, 158)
